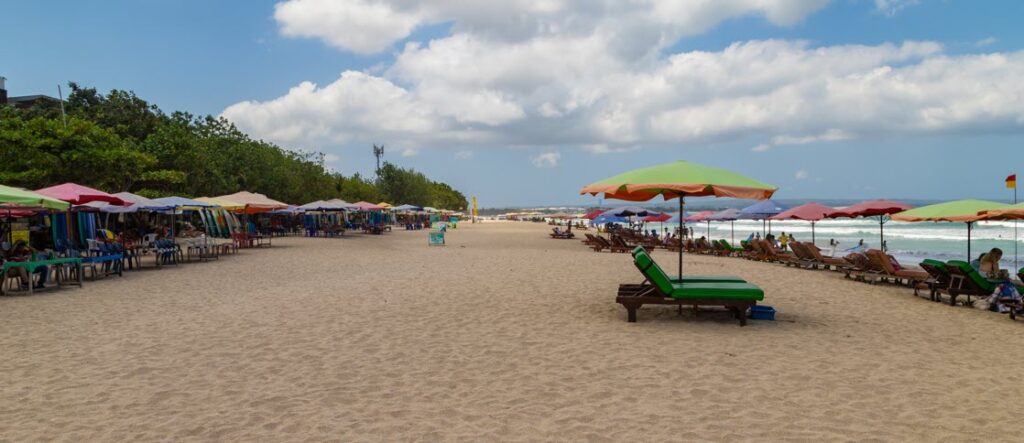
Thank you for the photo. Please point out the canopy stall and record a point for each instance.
(28, 199)
(251, 202)
(79, 195)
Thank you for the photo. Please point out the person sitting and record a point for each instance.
(861, 247)
(22, 252)
(988, 264)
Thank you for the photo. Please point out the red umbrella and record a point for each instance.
(811, 212)
(700, 216)
(594, 214)
(657, 218)
(873, 208)
(79, 195)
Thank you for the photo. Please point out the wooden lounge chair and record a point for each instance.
(735, 297)
(589, 240)
(815, 257)
(938, 278)
(619, 245)
(771, 254)
(882, 261)
(638, 251)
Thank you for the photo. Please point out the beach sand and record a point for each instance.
(503, 334)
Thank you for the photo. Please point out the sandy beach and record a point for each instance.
(503, 334)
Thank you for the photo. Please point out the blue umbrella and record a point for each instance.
(608, 218)
(762, 211)
(729, 215)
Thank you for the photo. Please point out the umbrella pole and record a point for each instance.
(881, 233)
(709, 229)
(733, 229)
(681, 236)
(969, 242)
(812, 232)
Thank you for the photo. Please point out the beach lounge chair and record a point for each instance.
(938, 278)
(589, 240)
(619, 245)
(771, 254)
(814, 257)
(735, 297)
(965, 280)
(882, 261)
(601, 244)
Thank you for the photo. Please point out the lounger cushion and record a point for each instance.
(972, 274)
(695, 290)
(686, 278)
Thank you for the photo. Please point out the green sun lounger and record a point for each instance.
(728, 246)
(965, 280)
(737, 297)
(691, 278)
(939, 277)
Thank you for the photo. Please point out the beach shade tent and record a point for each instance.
(873, 208)
(407, 208)
(183, 204)
(253, 203)
(366, 206)
(229, 205)
(24, 199)
(431, 210)
(136, 203)
(593, 214)
(730, 215)
(79, 195)
(679, 179)
(812, 212)
(966, 211)
(762, 211)
(290, 210)
(385, 205)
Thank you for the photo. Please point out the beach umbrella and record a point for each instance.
(608, 218)
(252, 202)
(663, 217)
(730, 215)
(762, 211)
(679, 179)
(79, 195)
(137, 203)
(811, 212)
(182, 203)
(593, 214)
(366, 206)
(967, 211)
(699, 217)
(22, 197)
(873, 208)
(629, 211)
(404, 208)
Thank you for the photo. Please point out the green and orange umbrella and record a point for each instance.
(679, 179)
(967, 211)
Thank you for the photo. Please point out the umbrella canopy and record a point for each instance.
(608, 218)
(628, 211)
(699, 217)
(663, 217)
(407, 208)
(671, 180)
(811, 212)
(137, 203)
(183, 203)
(593, 214)
(431, 210)
(290, 210)
(79, 195)
(954, 211)
(367, 206)
(16, 196)
(385, 205)
(761, 210)
(967, 211)
(726, 215)
(222, 202)
(870, 208)
(253, 202)
(562, 216)
(326, 205)
(1012, 212)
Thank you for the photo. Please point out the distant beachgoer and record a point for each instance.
(750, 237)
(783, 240)
(861, 247)
(833, 246)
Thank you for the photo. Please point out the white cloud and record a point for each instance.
(985, 42)
(596, 76)
(891, 7)
(801, 175)
(463, 155)
(547, 159)
(409, 152)
(362, 26)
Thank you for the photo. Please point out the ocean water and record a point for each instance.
(908, 242)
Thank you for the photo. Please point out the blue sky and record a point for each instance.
(516, 116)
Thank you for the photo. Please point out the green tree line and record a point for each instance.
(120, 142)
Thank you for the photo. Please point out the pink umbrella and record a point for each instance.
(367, 206)
(663, 217)
(79, 195)
(594, 214)
(811, 212)
(701, 216)
(873, 208)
